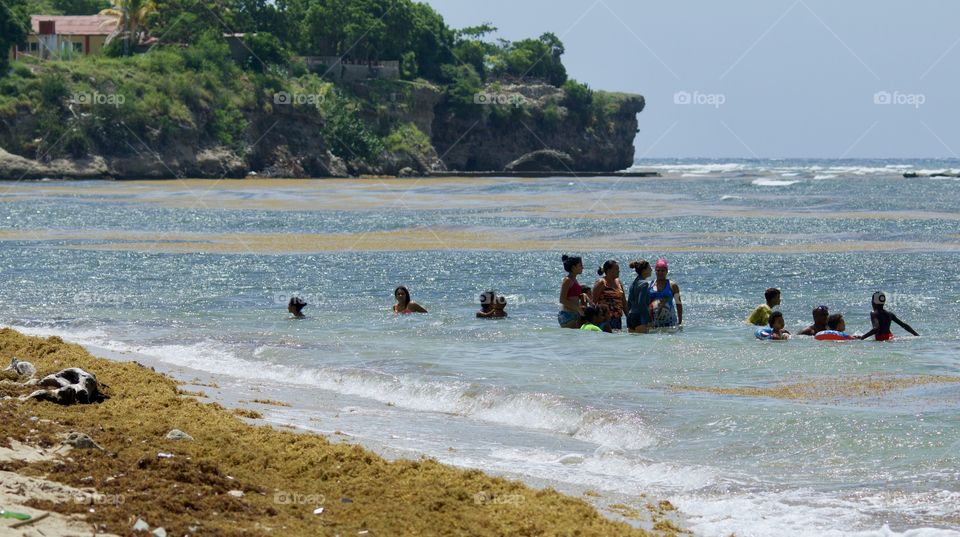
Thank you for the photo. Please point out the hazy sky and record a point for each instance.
(763, 78)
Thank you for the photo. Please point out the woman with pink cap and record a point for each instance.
(668, 311)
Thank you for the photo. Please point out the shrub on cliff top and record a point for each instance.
(578, 99)
(407, 138)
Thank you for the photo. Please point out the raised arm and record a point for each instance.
(416, 308)
(903, 325)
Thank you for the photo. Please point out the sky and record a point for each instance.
(759, 78)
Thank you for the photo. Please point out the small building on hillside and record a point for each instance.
(350, 70)
(53, 36)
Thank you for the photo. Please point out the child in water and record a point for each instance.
(881, 319)
(820, 315)
(295, 307)
(836, 329)
(592, 320)
(761, 314)
(492, 306)
(775, 331)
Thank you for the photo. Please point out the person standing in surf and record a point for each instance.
(404, 305)
(570, 291)
(638, 302)
(667, 311)
(761, 315)
(881, 320)
(609, 291)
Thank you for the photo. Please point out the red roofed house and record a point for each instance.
(51, 35)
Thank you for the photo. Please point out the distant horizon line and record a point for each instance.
(957, 159)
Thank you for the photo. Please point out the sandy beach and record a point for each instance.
(235, 478)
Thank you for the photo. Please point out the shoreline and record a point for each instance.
(434, 175)
(386, 498)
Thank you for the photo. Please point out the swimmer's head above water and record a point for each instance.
(836, 322)
(296, 305)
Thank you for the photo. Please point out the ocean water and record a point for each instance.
(197, 274)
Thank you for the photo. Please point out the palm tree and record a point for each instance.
(131, 19)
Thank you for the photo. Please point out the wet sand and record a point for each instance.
(829, 388)
(430, 238)
(372, 194)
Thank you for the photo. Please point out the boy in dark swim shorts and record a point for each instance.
(881, 319)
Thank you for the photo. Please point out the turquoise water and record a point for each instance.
(521, 394)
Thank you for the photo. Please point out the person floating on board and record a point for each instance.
(836, 330)
(404, 305)
(820, 314)
(761, 314)
(775, 331)
(881, 319)
(295, 307)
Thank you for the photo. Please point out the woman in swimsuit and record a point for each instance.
(667, 311)
(609, 291)
(404, 305)
(638, 303)
(570, 291)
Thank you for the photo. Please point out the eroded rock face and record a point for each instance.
(472, 145)
(288, 141)
(68, 387)
(544, 160)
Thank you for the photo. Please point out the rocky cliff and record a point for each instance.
(522, 127)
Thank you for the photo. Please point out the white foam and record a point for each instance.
(763, 181)
(607, 470)
(695, 169)
(798, 513)
(823, 176)
(526, 410)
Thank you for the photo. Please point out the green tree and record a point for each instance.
(535, 58)
(185, 21)
(14, 26)
(265, 49)
(376, 30)
(132, 17)
(470, 48)
(462, 90)
(80, 7)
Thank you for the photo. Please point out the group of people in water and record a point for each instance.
(648, 304)
(826, 326)
(651, 304)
